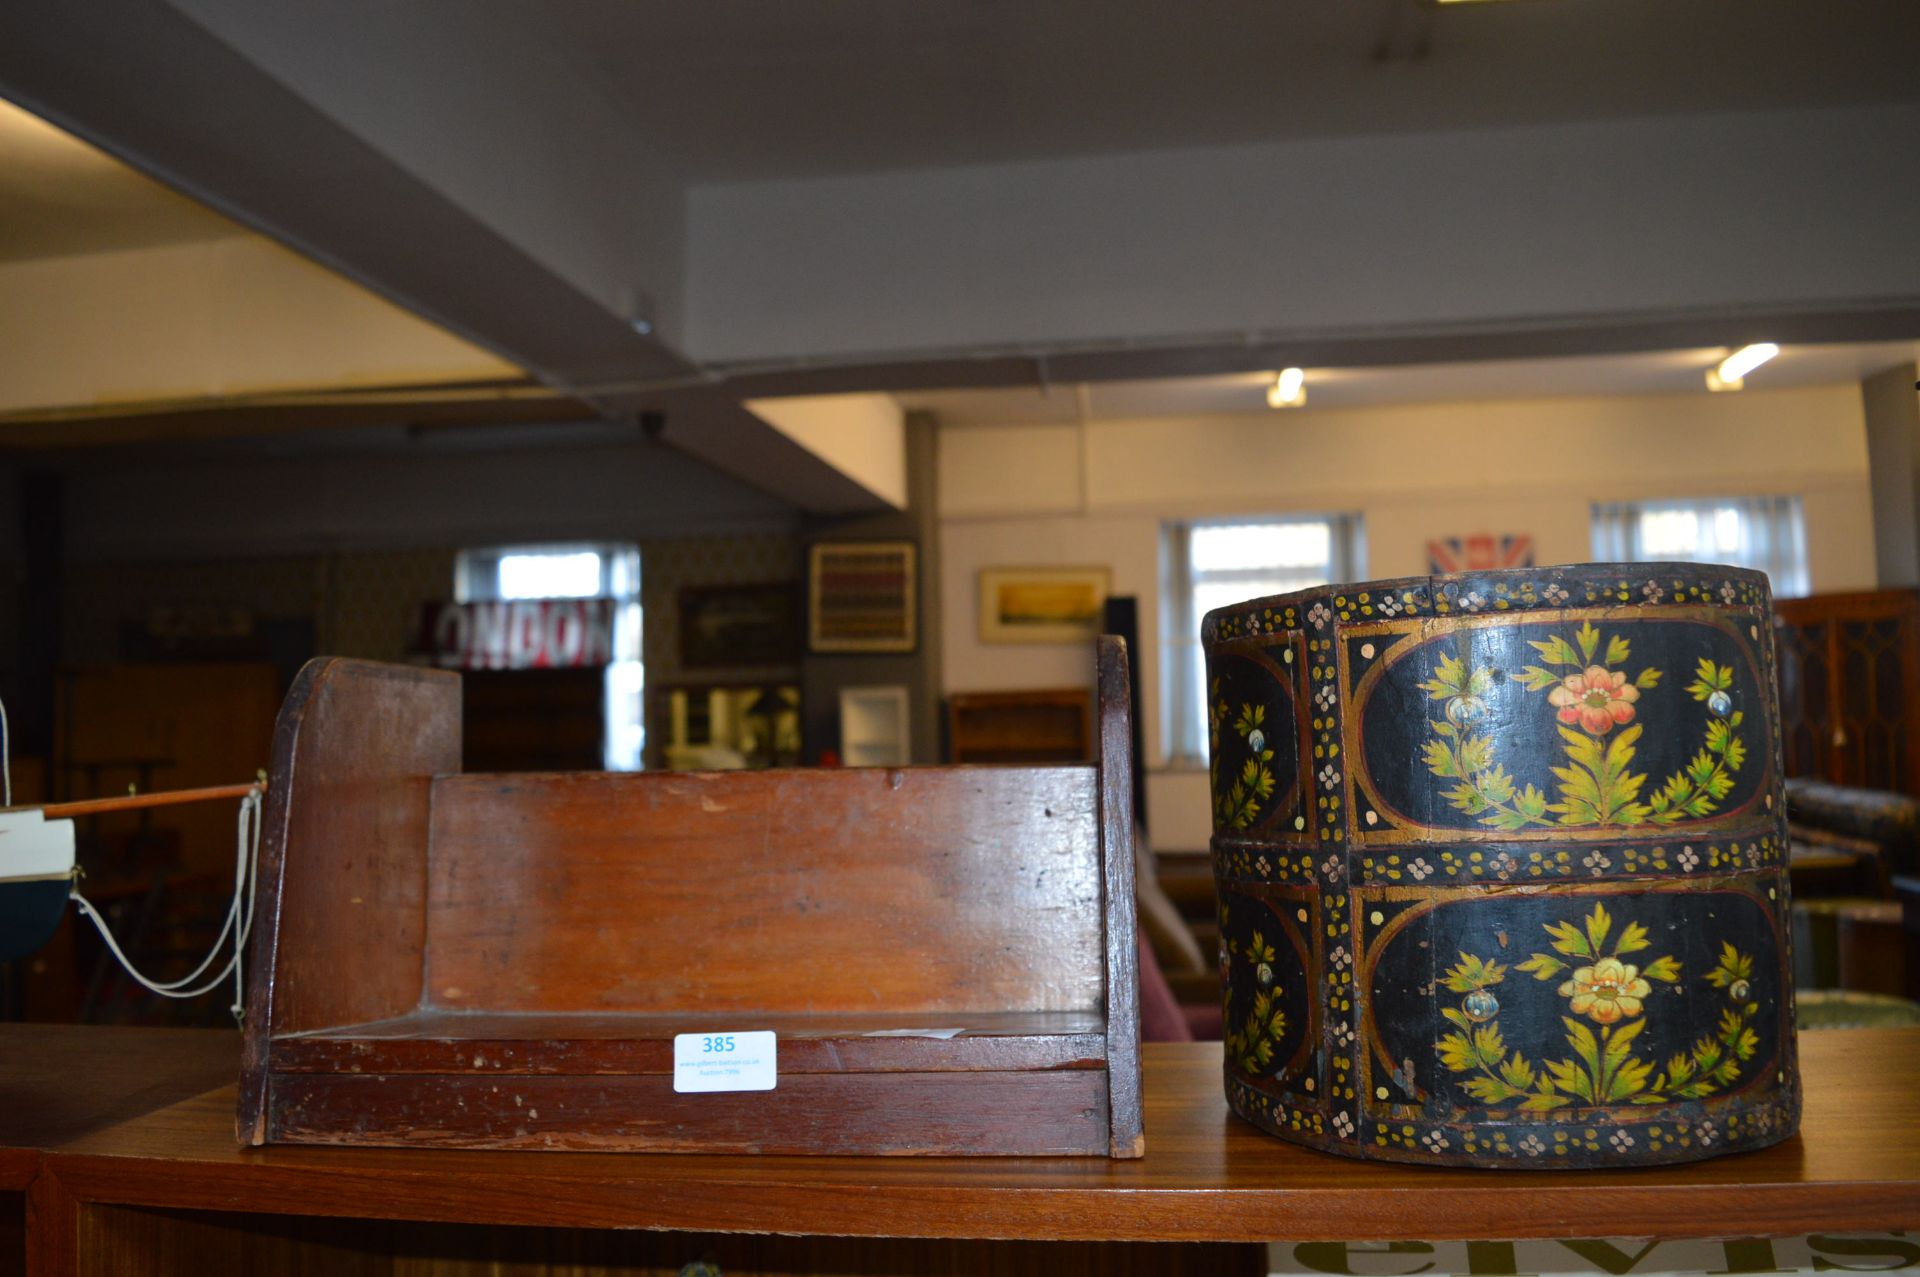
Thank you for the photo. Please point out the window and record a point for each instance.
(1211, 564)
(508, 573)
(1766, 533)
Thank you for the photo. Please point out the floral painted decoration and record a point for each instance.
(1611, 993)
(1591, 697)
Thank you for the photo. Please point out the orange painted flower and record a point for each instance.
(1607, 991)
(1599, 700)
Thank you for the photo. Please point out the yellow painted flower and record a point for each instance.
(1607, 991)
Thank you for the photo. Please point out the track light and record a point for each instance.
(1731, 372)
(1289, 389)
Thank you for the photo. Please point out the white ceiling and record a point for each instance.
(1675, 372)
(764, 88)
(59, 196)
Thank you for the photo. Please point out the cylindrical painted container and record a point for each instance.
(1502, 866)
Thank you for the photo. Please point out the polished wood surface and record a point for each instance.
(1206, 1176)
(431, 1041)
(1122, 1000)
(339, 931)
(827, 890)
(434, 945)
(129, 1242)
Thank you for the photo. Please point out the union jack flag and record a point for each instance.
(1479, 553)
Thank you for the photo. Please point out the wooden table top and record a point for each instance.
(145, 1117)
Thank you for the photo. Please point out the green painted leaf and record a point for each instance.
(1476, 754)
(1536, 679)
(1628, 1080)
(1616, 650)
(1456, 1053)
(1544, 966)
(1648, 677)
(1440, 759)
(1632, 939)
(1555, 651)
(1489, 1044)
(1566, 1075)
(1472, 972)
(1488, 1090)
(1517, 1072)
(1666, 969)
(1588, 638)
(1599, 922)
(1497, 785)
(1568, 940)
(1584, 1045)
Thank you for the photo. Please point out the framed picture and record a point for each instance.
(738, 625)
(1041, 605)
(861, 596)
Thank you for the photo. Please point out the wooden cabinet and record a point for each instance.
(1020, 727)
(1850, 688)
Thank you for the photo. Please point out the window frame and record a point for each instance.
(1183, 737)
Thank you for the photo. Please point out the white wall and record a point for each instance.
(220, 317)
(863, 436)
(1618, 221)
(1073, 495)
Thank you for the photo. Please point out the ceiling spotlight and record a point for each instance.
(1731, 372)
(1289, 389)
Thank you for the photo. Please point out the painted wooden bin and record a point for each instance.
(945, 954)
(1501, 861)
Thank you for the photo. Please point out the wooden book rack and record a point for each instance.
(504, 961)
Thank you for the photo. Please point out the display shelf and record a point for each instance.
(1207, 1176)
(456, 960)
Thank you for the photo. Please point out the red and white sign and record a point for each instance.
(536, 634)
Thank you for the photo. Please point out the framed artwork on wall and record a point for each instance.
(1042, 605)
(861, 596)
(738, 625)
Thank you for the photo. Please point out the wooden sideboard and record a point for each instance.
(117, 1155)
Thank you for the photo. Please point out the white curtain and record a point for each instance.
(1765, 533)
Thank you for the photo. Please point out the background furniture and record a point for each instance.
(1020, 727)
(1850, 688)
(123, 1140)
(504, 961)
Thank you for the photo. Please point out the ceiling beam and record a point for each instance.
(147, 84)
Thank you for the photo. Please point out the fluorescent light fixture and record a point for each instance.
(1289, 389)
(1732, 371)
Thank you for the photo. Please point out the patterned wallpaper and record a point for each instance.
(371, 600)
(361, 604)
(365, 604)
(667, 566)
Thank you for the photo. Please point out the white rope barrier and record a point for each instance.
(238, 924)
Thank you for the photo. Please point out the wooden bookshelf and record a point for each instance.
(1020, 727)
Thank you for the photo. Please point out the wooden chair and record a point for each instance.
(504, 961)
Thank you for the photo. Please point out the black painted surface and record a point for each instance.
(1502, 866)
